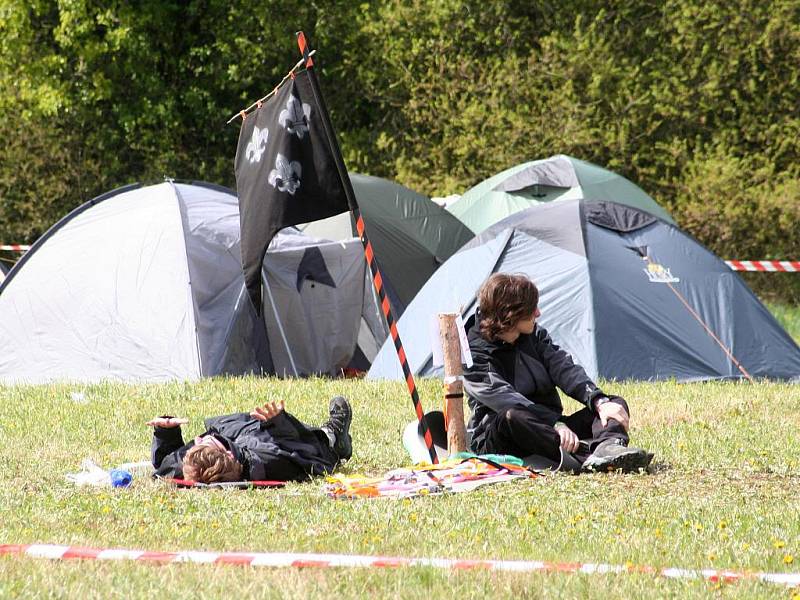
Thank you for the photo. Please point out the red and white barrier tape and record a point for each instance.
(785, 266)
(299, 560)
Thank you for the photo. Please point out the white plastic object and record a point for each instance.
(90, 474)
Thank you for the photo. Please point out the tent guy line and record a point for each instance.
(710, 332)
(308, 560)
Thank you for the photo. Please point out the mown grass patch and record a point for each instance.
(723, 494)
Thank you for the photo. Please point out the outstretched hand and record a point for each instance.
(269, 411)
(167, 422)
(612, 410)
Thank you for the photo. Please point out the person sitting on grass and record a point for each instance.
(511, 389)
(266, 444)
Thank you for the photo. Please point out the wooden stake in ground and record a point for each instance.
(453, 384)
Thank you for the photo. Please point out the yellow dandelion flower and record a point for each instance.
(788, 559)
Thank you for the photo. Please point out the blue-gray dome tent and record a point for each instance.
(630, 296)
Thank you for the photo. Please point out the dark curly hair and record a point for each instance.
(503, 301)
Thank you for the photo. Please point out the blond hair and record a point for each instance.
(207, 464)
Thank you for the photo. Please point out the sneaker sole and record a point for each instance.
(345, 451)
(629, 462)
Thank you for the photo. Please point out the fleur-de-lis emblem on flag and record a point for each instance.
(295, 117)
(286, 175)
(289, 179)
(257, 144)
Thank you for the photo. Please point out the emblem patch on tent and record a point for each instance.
(659, 274)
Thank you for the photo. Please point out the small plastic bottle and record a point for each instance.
(120, 477)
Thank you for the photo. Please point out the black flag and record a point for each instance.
(285, 173)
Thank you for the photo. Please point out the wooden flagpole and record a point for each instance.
(377, 280)
(453, 384)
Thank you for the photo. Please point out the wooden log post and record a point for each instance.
(453, 384)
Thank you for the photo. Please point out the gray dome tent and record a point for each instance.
(411, 235)
(146, 284)
(628, 295)
(556, 178)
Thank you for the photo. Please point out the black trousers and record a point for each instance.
(311, 446)
(522, 432)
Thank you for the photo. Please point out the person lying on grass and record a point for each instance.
(266, 444)
(511, 389)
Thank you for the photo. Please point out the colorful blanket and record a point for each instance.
(454, 475)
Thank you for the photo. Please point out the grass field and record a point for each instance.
(724, 493)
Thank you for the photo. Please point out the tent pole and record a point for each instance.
(280, 326)
(377, 279)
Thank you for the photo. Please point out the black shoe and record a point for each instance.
(338, 427)
(613, 455)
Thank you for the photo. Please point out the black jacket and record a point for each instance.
(523, 374)
(255, 444)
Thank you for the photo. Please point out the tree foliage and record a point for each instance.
(695, 101)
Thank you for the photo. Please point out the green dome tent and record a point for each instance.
(411, 234)
(559, 177)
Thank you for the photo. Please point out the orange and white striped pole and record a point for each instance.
(369, 253)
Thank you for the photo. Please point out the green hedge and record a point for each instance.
(694, 101)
